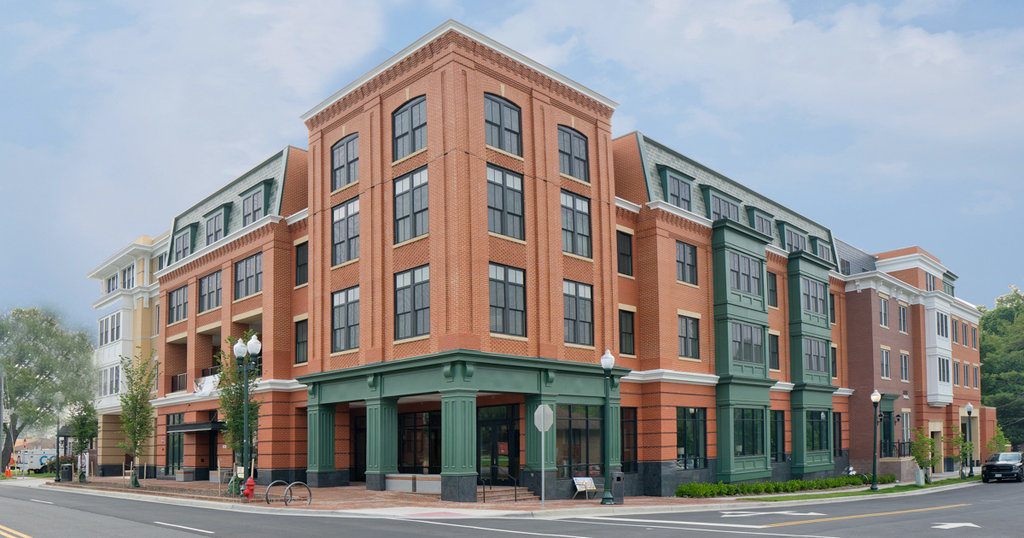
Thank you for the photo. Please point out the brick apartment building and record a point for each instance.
(460, 178)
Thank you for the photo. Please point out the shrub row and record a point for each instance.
(705, 489)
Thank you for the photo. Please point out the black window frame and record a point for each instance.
(177, 305)
(747, 343)
(302, 341)
(249, 276)
(345, 162)
(412, 302)
(773, 352)
(678, 191)
(627, 332)
(834, 356)
(817, 434)
(505, 202)
(837, 433)
(629, 448)
(777, 435)
(691, 438)
(209, 296)
(411, 205)
(748, 431)
(573, 153)
(813, 295)
(345, 231)
(624, 249)
(577, 231)
(816, 355)
(689, 337)
(831, 308)
(578, 440)
(773, 288)
(345, 319)
(578, 313)
(411, 136)
(686, 263)
(302, 263)
(508, 316)
(505, 131)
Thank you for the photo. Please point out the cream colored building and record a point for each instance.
(127, 325)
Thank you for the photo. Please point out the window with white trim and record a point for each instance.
(110, 329)
(885, 364)
(883, 311)
(942, 324)
(904, 367)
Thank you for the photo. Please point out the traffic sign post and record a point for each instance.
(543, 418)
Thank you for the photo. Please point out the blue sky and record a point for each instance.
(894, 124)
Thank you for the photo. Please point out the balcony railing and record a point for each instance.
(178, 382)
(213, 370)
(894, 449)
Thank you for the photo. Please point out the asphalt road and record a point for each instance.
(987, 510)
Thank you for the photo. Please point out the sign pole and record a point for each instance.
(542, 469)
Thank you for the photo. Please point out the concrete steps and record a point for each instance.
(504, 494)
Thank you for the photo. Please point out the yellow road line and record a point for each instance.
(787, 523)
(13, 533)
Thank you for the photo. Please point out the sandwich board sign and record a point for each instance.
(543, 418)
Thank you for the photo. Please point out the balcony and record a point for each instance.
(894, 449)
(213, 370)
(178, 382)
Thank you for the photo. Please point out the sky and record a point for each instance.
(892, 123)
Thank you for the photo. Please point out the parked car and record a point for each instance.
(1003, 465)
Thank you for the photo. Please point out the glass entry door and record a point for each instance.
(498, 442)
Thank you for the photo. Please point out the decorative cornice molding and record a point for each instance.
(627, 205)
(238, 238)
(670, 376)
(268, 385)
(679, 217)
(844, 392)
(782, 386)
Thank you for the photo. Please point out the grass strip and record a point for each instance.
(883, 491)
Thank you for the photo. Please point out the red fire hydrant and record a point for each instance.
(250, 488)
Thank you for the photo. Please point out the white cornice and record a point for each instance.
(297, 216)
(776, 250)
(901, 291)
(116, 261)
(143, 292)
(911, 261)
(670, 376)
(269, 219)
(665, 206)
(209, 393)
(627, 205)
(451, 25)
(844, 392)
(782, 386)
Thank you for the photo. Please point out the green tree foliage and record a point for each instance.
(41, 358)
(137, 414)
(232, 400)
(1002, 359)
(998, 441)
(84, 427)
(924, 450)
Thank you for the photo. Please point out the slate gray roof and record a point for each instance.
(860, 261)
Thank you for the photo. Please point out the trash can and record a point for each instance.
(65, 472)
(618, 487)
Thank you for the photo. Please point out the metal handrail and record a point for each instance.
(515, 483)
(484, 483)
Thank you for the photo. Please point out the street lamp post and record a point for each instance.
(970, 457)
(607, 362)
(875, 398)
(244, 353)
(59, 398)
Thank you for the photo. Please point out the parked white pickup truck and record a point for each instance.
(35, 460)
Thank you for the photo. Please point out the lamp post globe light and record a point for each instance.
(875, 398)
(607, 363)
(970, 457)
(244, 351)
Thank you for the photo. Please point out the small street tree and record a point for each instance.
(961, 449)
(924, 450)
(83, 428)
(998, 442)
(40, 358)
(232, 400)
(137, 414)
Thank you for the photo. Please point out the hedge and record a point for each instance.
(707, 489)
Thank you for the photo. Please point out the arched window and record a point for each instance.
(345, 161)
(572, 153)
(410, 127)
(503, 124)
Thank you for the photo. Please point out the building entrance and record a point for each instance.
(498, 444)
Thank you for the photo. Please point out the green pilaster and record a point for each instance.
(533, 448)
(381, 440)
(320, 438)
(458, 432)
(612, 428)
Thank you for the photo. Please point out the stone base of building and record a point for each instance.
(332, 479)
(266, 476)
(148, 471)
(458, 488)
(782, 471)
(661, 478)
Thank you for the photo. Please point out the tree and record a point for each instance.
(232, 398)
(998, 441)
(83, 427)
(923, 449)
(137, 414)
(961, 447)
(41, 358)
(1002, 358)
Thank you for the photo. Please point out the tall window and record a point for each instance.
(943, 369)
(835, 361)
(128, 280)
(345, 319)
(502, 124)
(815, 355)
(691, 437)
(831, 308)
(575, 224)
(410, 128)
(813, 295)
(965, 333)
(302, 263)
(824, 252)
(412, 302)
(773, 289)
(956, 331)
(885, 363)
(578, 440)
(302, 342)
(763, 224)
(578, 306)
(504, 202)
(110, 329)
(795, 241)
(929, 282)
(744, 273)
(748, 432)
(974, 337)
(724, 209)
(883, 311)
(626, 343)
(508, 299)
(904, 367)
(747, 343)
(209, 292)
(345, 162)
(411, 205)
(678, 191)
(773, 351)
(252, 207)
(902, 318)
(249, 276)
(572, 153)
(778, 436)
(942, 322)
(689, 337)
(215, 228)
(112, 283)
(345, 231)
(817, 430)
(975, 377)
(956, 373)
(837, 432)
(182, 248)
(629, 438)
(177, 305)
(624, 246)
(686, 263)
(967, 378)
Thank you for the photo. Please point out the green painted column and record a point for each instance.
(320, 469)
(458, 445)
(381, 441)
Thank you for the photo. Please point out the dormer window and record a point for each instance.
(252, 207)
(724, 209)
(677, 190)
(822, 248)
(795, 241)
(215, 228)
(182, 245)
